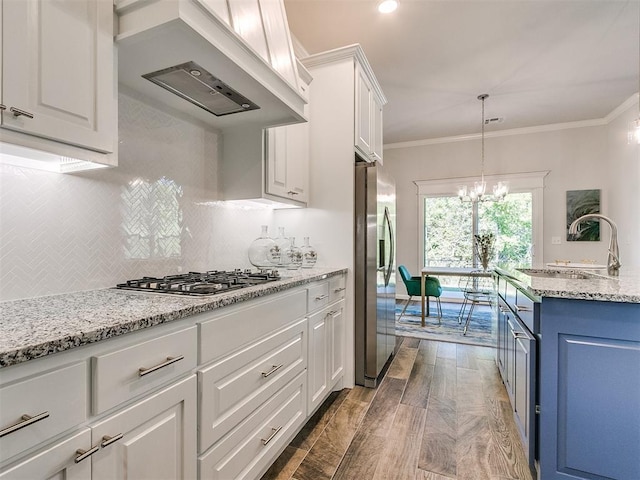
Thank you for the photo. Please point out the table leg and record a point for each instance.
(422, 294)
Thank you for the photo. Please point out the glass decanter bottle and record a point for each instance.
(293, 255)
(262, 250)
(309, 254)
(282, 243)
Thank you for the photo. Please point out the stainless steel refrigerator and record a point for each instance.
(375, 278)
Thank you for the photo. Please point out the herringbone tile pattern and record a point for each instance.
(441, 413)
(149, 216)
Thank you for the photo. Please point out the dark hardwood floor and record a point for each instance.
(440, 413)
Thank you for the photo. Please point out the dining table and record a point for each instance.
(447, 271)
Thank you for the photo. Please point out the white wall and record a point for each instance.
(578, 158)
(63, 233)
(623, 162)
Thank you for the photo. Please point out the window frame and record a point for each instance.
(530, 182)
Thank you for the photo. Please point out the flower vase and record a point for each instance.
(484, 246)
(263, 250)
(309, 254)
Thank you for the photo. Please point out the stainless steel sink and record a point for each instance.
(556, 274)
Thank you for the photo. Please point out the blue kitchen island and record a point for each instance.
(588, 373)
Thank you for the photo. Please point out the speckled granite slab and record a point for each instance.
(597, 286)
(36, 327)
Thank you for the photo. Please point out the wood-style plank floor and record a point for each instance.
(440, 413)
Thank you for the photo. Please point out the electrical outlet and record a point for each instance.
(556, 240)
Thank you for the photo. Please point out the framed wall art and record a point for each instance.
(581, 202)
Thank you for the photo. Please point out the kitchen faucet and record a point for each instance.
(613, 260)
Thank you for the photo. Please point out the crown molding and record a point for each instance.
(520, 131)
(350, 52)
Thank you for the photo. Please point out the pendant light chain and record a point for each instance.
(482, 97)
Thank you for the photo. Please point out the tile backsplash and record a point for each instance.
(154, 214)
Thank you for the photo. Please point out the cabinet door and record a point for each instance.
(502, 338)
(157, 437)
(524, 351)
(276, 162)
(337, 342)
(55, 461)
(318, 358)
(363, 138)
(376, 129)
(510, 358)
(298, 162)
(58, 68)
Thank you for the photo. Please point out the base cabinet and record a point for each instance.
(516, 357)
(55, 461)
(154, 438)
(213, 396)
(590, 390)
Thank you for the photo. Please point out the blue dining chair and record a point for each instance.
(432, 289)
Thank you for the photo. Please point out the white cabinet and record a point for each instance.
(326, 339)
(368, 118)
(58, 74)
(55, 461)
(319, 350)
(282, 176)
(154, 438)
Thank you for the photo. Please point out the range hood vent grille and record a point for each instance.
(196, 85)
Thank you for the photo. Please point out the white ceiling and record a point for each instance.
(542, 62)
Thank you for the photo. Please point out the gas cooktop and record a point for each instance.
(201, 283)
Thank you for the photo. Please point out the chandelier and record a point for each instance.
(478, 193)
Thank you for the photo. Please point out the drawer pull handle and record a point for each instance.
(331, 313)
(321, 297)
(338, 290)
(273, 370)
(146, 371)
(82, 454)
(523, 308)
(17, 112)
(2, 107)
(25, 421)
(107, 440)
(275, 431)
(517, 335)
(291, 192)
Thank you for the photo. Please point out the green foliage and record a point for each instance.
(448, 230)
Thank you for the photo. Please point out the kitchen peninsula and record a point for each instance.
(587, 325)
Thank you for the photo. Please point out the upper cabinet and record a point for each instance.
(352, 92)
(228, 64)
(270, 165)
(368, 121)
(58, 82)
(287, 155)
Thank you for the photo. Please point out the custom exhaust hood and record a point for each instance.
(180, 55)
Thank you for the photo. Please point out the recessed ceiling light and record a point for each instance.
(387, 6)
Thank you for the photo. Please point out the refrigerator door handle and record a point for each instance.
(387, 221)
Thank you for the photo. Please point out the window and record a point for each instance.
(447, 225)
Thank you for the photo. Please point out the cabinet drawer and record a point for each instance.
(58, 397)
(129, 372)
(317, 296)
(524, 308)
(337, 287)
(246, 324)
(234, 387)
(510, 295)
(251, 447)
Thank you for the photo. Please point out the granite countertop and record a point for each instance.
(36, 327)
(597, 286)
